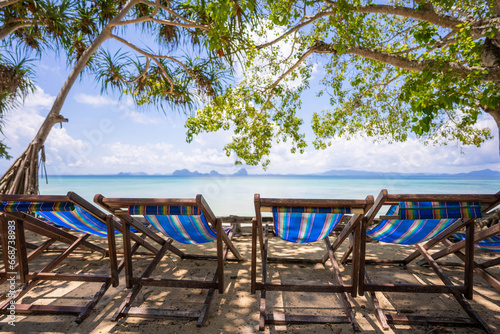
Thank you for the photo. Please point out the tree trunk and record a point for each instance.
(495, 113)
(22, 175)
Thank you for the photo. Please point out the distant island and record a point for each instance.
(339, 173)
(479, 173)
(186, 172)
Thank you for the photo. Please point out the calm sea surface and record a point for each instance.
(233, 195)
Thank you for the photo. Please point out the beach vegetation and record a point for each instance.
(391, 70)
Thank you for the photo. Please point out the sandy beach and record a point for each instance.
(237, 310)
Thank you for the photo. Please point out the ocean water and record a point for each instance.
(233, 195)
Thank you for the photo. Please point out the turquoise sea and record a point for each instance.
(233, 195)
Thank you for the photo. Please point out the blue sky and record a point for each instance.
(108, 135)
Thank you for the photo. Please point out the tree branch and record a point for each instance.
(296, 28)
(300, 61)
(427, 14)
(149, 55)
(143, 73)
(165, 22)
(5, 3)
(179, 24)
(4, 32)
(132, 21)
(167, 9)
(452, 68)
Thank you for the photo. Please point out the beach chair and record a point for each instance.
(305, 221)
(423, 221)
(184, 221)
(52, 217)
(487, 239)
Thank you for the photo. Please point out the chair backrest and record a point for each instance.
(57, 210)
(188, 221)
(307, 220)
(413, 219)
(439, 210)
(185, 224)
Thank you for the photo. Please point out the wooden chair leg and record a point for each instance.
(465, 305)
(137, 287)
(382, 319)
(262, 321)
(343, 295)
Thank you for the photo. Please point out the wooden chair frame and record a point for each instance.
(159, 247)
(25, 221)
(458, 291)
(261, 234)
(456, 248)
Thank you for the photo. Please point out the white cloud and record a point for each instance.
(142, 118)
(162, 158)
(125, 107)
(362, 154)
(63, 152)
(22, 124)
(95, 101)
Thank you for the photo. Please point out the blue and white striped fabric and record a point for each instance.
(407, 231)
(186, 225)
(64, 214)
(491, 244)
(303, 225)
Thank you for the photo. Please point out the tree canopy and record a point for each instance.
(191, 48)
(391, 70)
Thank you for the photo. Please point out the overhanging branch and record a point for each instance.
(167, 9)
(427, 14)
(5, 3)
(4, 32)
(451, 68)
(149, 55)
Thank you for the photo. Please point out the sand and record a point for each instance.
(237, 310)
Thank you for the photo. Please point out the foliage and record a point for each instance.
(392, 70)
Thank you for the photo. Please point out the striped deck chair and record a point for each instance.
(487, 239)
(41, 214)
(304, 221)
(423, 221)
(184, 221)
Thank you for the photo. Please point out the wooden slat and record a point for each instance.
(253, 271)
(69, 277)
(163, 282)
(322, 203)
(482, 198)
(293, 260)
(427, 320)
(82, 203)
(413, 288)
(45, 309)
(353, 211)
(303, 287)
(161, 313)
(382, 319)
(490, 263)
(34, 198)
(276, 318)
(124, 202)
